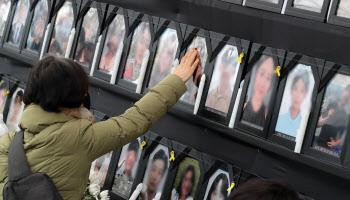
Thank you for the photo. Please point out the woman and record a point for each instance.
(218, 190)
(255, 111)
(186, 184)
(61, 136)
(289, 122)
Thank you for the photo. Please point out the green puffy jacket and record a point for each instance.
(64, 147)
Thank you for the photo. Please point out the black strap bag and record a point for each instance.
(23, 184)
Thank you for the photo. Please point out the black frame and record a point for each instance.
(13, 85)
(242, 47)
(6, 79)
(135, 18)
(245, 176)
(333, 18)
(321, 17)
(265, 5)
(292, 60)
(257, 51)
(329, 72)
(110, 15)
(239, 2)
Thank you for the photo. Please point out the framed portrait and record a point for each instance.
(223, 81)
(339, 13)
(99, 168)
(260, 85)
(4, 87)
(15, 109)
(269, 5)
(310, 9)
(296, 94)
(112, 43)
(328, 130)
(5, 9)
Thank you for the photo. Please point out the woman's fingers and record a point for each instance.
(191, 59)
(195, 64)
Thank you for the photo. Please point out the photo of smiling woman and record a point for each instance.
(15, 112)
(296, 101)
(259, 93)
(217, 186)
(186, 180)
(156, 173)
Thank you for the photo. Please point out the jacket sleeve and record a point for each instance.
(103, 137)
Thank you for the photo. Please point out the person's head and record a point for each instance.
(263, 77)
(131, 156)
(143, 41)
(331, 108)
(85, 54)
(3, 89)
(260, 189)
(227, 68)
(115, 35)
(218, 190)
(167, 54)
(345, 98)
(299, 89)
(159, 165)
(54, 83)
(186, 183)
(17, 106)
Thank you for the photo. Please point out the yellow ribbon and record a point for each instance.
(277, 71)
(231, 188)
(240, 58)
(22, 102)
(6, 93)
(143, 144)
(172, 156)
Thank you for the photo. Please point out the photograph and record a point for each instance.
(141, 40)
(115, 36)
(217, 187)
(270, 1)
(5, 10)
(223, 81)
(332, 124)
(37, 27)
(309, 5)
(165, 56)
(127, 168)
(296, 101)
(259, 93)
(18, 22)
(62, 29)
(192, 85)
(156, 173)
(100, 167)
(344, 9)
(4, 87)
(87, 37)
(186, 180)
(15, 111)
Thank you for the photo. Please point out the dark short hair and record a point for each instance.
(189, 168)
(304, 76)
(134, 146)
(261, 189)
(19, 96)
(56, 82)
(224, 186)
(160, 155)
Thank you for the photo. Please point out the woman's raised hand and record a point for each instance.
(188, 65)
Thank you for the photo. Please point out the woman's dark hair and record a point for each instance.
(134, 146)
(224, 186)
(160, 155)
(261, 189)
(56, 82)
(190, 168)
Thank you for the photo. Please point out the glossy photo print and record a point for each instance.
(217, 187)
(270, 1)
(192, 85)
(344, 9)
(19, 22)
(87, 37)
(37, 27)
(259, 94)
(223, 81)
(186, 180)
(333, 121)
(4, 87)
(141, 40)
(62, 29)
(296, 101)
(165, 56)
(156, 173)
(99, 168)
(309, 5)
(4, 10)
(127, 168)
(114, 39)
(15, 111)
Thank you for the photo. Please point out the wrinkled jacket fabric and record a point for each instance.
(63, 146)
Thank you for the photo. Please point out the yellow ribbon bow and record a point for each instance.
(231, 188)
(143, 144)
(240, 58)
(22, 102)
(277, 71)
(172, 156)
(6, 93)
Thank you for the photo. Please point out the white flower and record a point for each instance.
(104, 195)
(94, 189)
(94, 177)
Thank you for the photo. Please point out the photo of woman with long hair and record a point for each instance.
(217, 186)
(15, 112)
